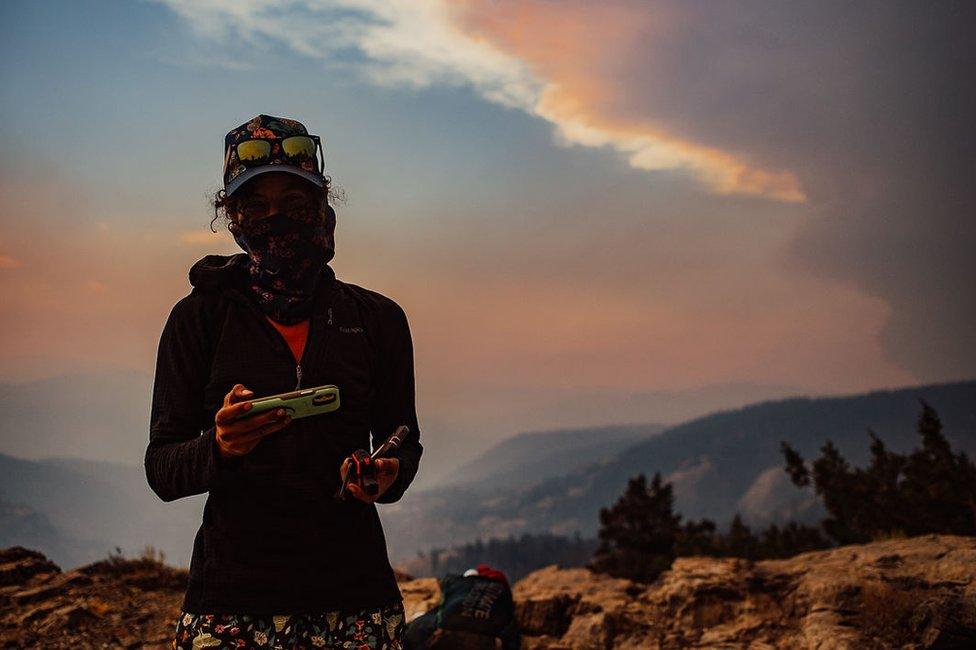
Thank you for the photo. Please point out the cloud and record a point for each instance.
(869, 105)
(9, 262)
(578, 47)
(421, 43)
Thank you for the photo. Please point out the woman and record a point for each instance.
(279, 561)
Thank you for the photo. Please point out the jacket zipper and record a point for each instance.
(284, 344)
(298, 368)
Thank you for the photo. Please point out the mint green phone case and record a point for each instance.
(298, 403)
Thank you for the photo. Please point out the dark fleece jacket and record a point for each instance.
(273, 540)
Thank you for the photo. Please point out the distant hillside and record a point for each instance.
(22, 525)
(719, 464)
(535, 455)
(76, 511)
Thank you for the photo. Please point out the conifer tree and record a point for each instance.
(739, 541)
(931, 490)
(638, 533)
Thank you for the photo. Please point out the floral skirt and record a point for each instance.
(367, 629)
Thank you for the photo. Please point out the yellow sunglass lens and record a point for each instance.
(298, 146)
(253, 150)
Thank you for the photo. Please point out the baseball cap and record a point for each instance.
(268, 143)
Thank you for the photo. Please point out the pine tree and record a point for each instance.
(931, 490)
(792, 539)
(697, 538)
(638, 533)
(739, 541)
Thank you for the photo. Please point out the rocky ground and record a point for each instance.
(115, 603)
(911, 593)
(917, 593)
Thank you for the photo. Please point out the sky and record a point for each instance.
(575, 203)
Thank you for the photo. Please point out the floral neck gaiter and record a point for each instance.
(288, 252)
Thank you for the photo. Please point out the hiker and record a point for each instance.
(279, 561)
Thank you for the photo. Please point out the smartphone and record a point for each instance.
(298, 403)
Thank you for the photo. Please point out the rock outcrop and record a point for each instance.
(909, 593)
(918, 592)
(114, 603)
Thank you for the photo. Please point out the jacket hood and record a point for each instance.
(228, 274)
(219, 272)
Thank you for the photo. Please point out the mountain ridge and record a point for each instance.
(715, 462)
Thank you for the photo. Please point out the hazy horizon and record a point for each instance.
(72, 426)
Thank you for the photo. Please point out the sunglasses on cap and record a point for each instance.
(258, 151)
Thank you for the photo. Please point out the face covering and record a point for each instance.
(288, 253)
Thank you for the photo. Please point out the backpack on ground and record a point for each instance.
(476, 612)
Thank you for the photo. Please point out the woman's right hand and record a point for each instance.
(239, 437)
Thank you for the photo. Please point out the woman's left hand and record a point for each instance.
(386, 472)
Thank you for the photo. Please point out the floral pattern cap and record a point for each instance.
(275, 129)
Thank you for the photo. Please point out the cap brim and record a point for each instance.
(250, 173)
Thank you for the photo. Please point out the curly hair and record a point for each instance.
(228, 207)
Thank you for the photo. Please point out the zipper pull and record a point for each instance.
(298, 373)
(330, 315)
